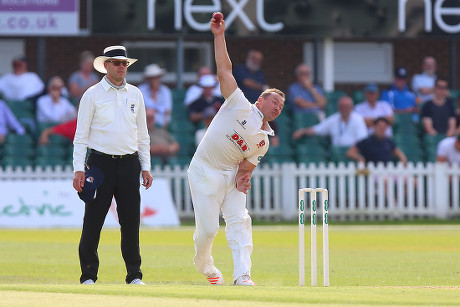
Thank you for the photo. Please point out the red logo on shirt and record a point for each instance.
(262, 143)
(240, 141)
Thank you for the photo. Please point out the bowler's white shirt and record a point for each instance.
(446, 148)
(20, 87)
(50, 111)
(380, 109)
(343, 133)
(234, 134)
(111, 121)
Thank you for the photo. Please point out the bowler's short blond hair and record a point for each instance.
(270, 91)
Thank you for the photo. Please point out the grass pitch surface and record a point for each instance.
(369, 265)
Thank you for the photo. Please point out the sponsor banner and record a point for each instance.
(29, 17)
(54, 203)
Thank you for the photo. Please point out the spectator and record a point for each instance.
(20, 84)
(8, 122)
(401, 99)
(162, 144)
(304, 96)
(376, 147)
(52, 107)
(345, 127)
(195, 90)
(208, 115)
(250, 77)
(438, 114)
(66, 129)
(449, 150)
(371, 109)
(82, 79)
(423, 84)
(157, 96)
(207, 99)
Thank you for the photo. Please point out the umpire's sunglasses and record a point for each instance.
(118, 63)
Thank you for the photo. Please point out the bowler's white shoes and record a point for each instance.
(137, 281)
(216, 278)
(244, 280)
(88, 282)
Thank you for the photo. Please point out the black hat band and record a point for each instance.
(115, 52)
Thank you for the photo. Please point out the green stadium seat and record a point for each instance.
(310, 149)
(23, 139)
(179, 160)
(302, 120)
(52, 151)
(432, 140)
(59, 140)
(339, 154)
(16, 161)
(53, 161)
(358, 96)
(311, 159)
(19, 150)
(156, 161)
(22, 108)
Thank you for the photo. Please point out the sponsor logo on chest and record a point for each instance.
(239, 141)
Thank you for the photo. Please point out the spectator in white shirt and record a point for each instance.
(449, 150)
(157, 96)
(423, 84)
(195, 90)
(20, 84)
(372, 108)
(345, 127)
(53, 107)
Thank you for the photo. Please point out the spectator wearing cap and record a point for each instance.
(207, 99)
(376, 147)
(80, 80)
(398, 95)
(372, 108)
(20, 84)
(208, 116)
(305, 96)
(53, 107)
(449, 150)
(157, 96)
(195, 90)
(423, 84)
(8, 122)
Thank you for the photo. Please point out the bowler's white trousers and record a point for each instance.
(214, 191)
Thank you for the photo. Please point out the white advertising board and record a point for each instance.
(54, 203)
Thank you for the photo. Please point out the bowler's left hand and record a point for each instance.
(147, 179)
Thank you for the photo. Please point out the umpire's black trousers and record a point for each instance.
(121, 180)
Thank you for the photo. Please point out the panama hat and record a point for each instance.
(153, 70)
(112, 52)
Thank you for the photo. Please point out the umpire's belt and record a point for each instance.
(133, 155)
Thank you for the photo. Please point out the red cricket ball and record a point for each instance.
(218, 16)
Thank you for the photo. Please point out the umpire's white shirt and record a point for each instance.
(111, 121)
(235, 133)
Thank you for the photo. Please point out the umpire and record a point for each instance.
(112, 127)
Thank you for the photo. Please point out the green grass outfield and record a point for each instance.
(369, 265)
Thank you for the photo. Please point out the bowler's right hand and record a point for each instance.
(217, 27)
(79, 180)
